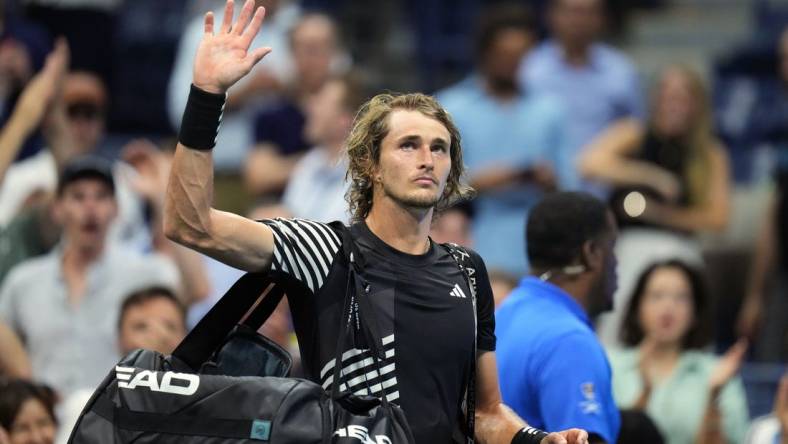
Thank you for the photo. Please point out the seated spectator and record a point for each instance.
(772, 429)
(280, 133)
(512, 138)
(316, 189)
(152, 318)
(670, 180)
(64, 305)
(596, 83)
(266, 78)
(27, 413)
(690, 394)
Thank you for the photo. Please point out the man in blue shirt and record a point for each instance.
(512, 138)
(596, 83)
(553, 370)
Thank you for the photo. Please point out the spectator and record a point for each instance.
(268, 77)
(553, 370)
(671, 180)
(27, 412)
(74, 124)
(316, 189)
(763, 314)
(512, 138)
(596, 83)
(64, 305)
(280, 133)
(152, 318)
(665, 330)
(772, 429)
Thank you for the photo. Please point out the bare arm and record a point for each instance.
(266, 171)
(607, 159)
(33, 104)
(495, 422)
(13, 358)
(710, 215)
(189, 219)
(763, 262)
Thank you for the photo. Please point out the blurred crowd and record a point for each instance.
(91, 97)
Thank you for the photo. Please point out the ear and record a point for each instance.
(592, 256)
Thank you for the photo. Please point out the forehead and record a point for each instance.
(405, 123)
(87, 185)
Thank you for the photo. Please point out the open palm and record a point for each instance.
(223, 58)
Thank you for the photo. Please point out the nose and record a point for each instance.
(426, 159)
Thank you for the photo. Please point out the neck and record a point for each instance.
(404, 229)
(501, 92)
(663, 352)
(79, 257)
(576, 54)
(575, 286)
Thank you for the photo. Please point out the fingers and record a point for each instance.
(243, 18)
(554, 438)
(255, 56)
(227, 19)
(209, 23)
(257, 22)
(737, 351)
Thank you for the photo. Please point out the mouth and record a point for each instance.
(425, 180)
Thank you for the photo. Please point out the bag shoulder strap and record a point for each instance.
(210, 333)
(468, 268)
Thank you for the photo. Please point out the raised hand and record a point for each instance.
(728, 365)
(39, 94)
(223, 58)
(152, 166)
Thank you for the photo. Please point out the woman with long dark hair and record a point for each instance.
(691, 395)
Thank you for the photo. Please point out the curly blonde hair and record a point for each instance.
(369, 129)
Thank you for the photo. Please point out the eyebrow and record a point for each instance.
(415, 137)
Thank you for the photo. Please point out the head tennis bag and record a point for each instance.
(213, 389)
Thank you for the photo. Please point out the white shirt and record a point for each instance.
(316, 190)
(39, 173)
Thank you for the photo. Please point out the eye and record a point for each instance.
(441, 148)
(409, 144)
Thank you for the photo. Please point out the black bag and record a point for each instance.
(215, 387)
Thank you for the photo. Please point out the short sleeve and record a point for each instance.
(485, 306)
(574, 388)
(304, 249)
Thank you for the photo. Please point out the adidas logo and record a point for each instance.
(457, 292)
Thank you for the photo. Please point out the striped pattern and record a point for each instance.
(304, 249)
(360, 375)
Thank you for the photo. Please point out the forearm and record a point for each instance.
(12, 137)
(187, 204)
(623, 173)
(689, 219)
(13, 358)
(764, 254)
(711, 428)
(497, 424)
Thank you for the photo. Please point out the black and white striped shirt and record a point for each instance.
(423, 310)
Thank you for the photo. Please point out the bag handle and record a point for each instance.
(461, 255)
(209, 334)
(355, 303)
